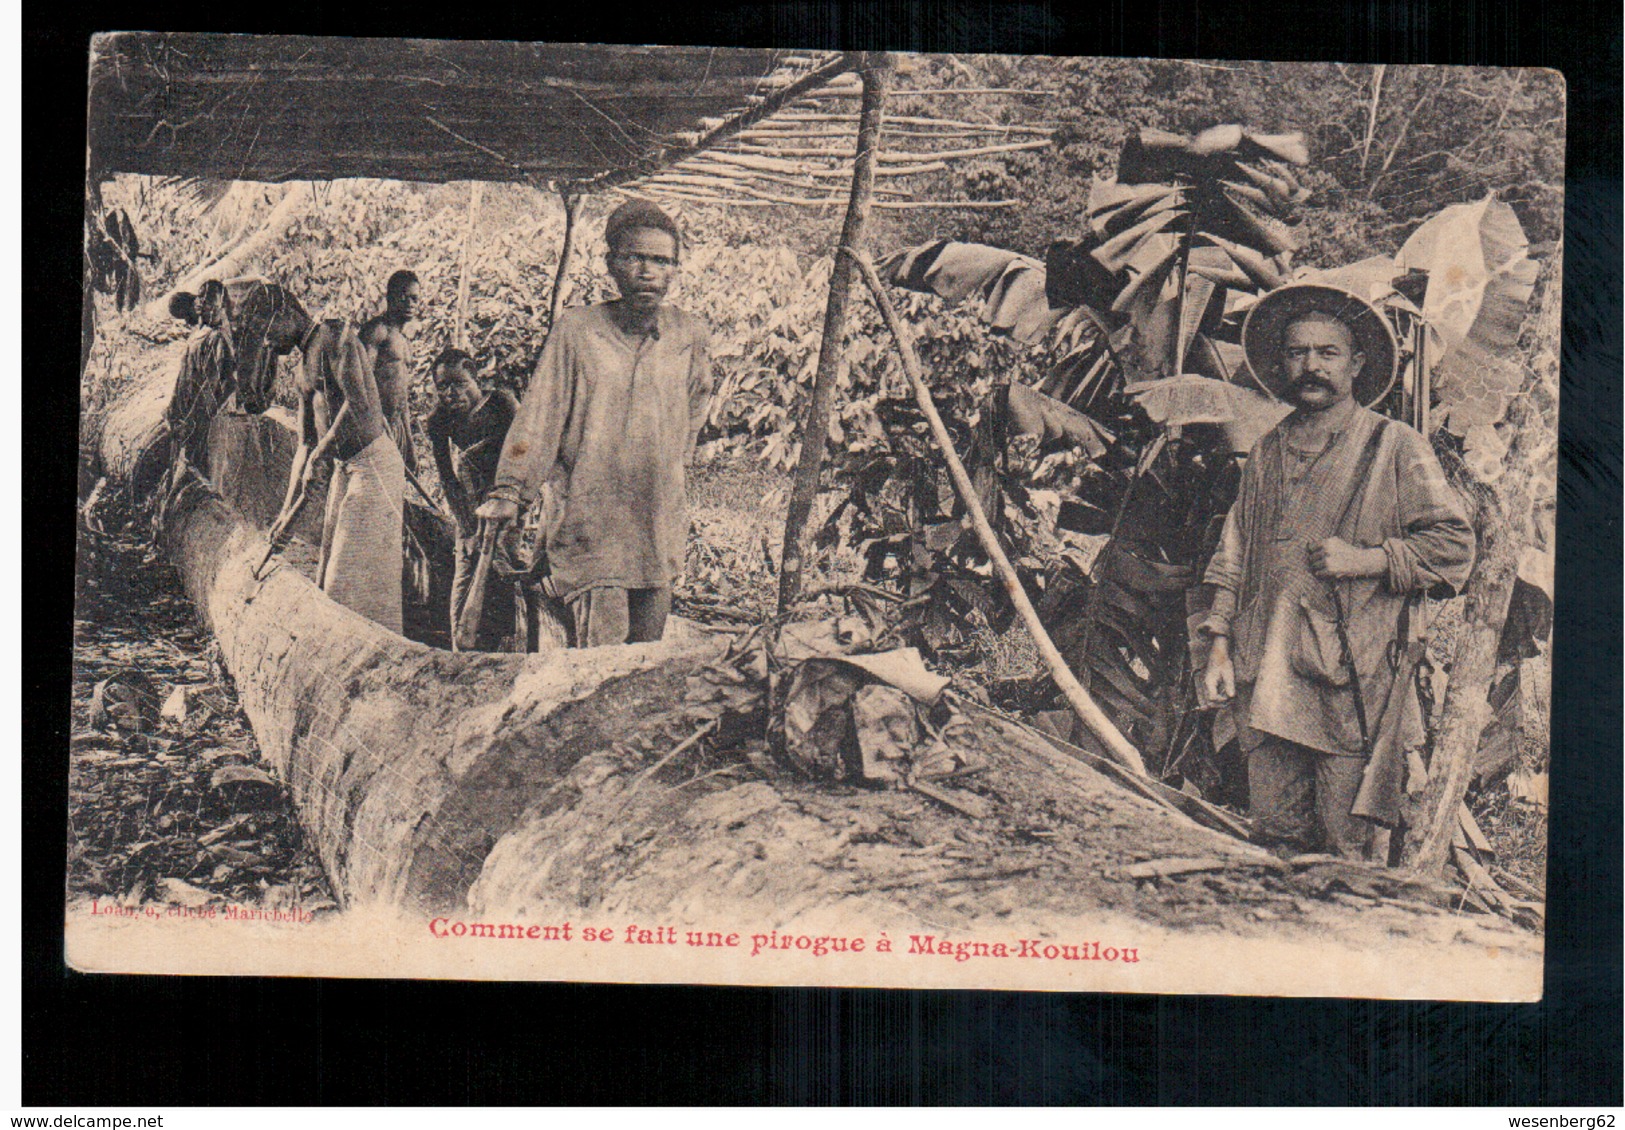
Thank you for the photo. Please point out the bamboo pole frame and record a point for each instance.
(767, 107)
(876, 75)
(561, 276)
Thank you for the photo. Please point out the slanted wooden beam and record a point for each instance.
(1087, 710)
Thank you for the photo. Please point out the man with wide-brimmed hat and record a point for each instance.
(1343, 520)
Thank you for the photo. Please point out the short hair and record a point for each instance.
(183, 305)
(452, 358)
(214, 289)
(635, 214)
(398, 282)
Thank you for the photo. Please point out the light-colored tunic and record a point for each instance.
(1288, 660)
(620, 414)
(364, 500)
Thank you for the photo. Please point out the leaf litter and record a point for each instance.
(169, 799)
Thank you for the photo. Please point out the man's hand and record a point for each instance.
(1219, 680)
(498, 509)
(1335, 559)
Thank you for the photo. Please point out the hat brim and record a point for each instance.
(1265, 329)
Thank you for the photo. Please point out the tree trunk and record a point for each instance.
(1502, 513)
(561, 275)
(405, 763)
(449, 782)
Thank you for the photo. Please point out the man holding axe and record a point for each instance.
(465, 432)
(342, 420)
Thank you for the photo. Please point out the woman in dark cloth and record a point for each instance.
(207, 376)
(264, 322)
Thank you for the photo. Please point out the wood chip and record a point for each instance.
(1164, 868)
(968, 803)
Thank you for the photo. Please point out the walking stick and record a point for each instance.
(465, 632)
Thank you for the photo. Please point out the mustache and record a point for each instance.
(1312, 382)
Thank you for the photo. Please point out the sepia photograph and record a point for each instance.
(773, 517)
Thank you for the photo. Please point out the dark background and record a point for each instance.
(97, 1040)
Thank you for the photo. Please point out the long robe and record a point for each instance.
(620, 414)
(1280, 618)
(364, 501)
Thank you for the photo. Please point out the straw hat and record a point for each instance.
(1265, 329)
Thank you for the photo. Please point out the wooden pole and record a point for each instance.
(876, 77)
(556, 303)
(1088, 711)
(460, 336)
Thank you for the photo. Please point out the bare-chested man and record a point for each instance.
(342, 418)
(391, 352)
(466, 432)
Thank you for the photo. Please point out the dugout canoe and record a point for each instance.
(538, 784)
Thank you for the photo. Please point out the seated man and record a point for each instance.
(465, 432)
(617, 401)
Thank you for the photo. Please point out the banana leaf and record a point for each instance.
(1117, 253)
(1259, 232)
(1190, 399)
(1105, 195)
(1229, 275)
(1371, 279)
(1033, 413)
(1150, 268)
(1073, 276)
(1259, 268)
(1480, 279)
(1012, 286)
(952, 270)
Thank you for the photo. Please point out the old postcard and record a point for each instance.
(756, 516)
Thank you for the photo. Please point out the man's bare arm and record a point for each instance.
(456, 498)
(306, 427)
